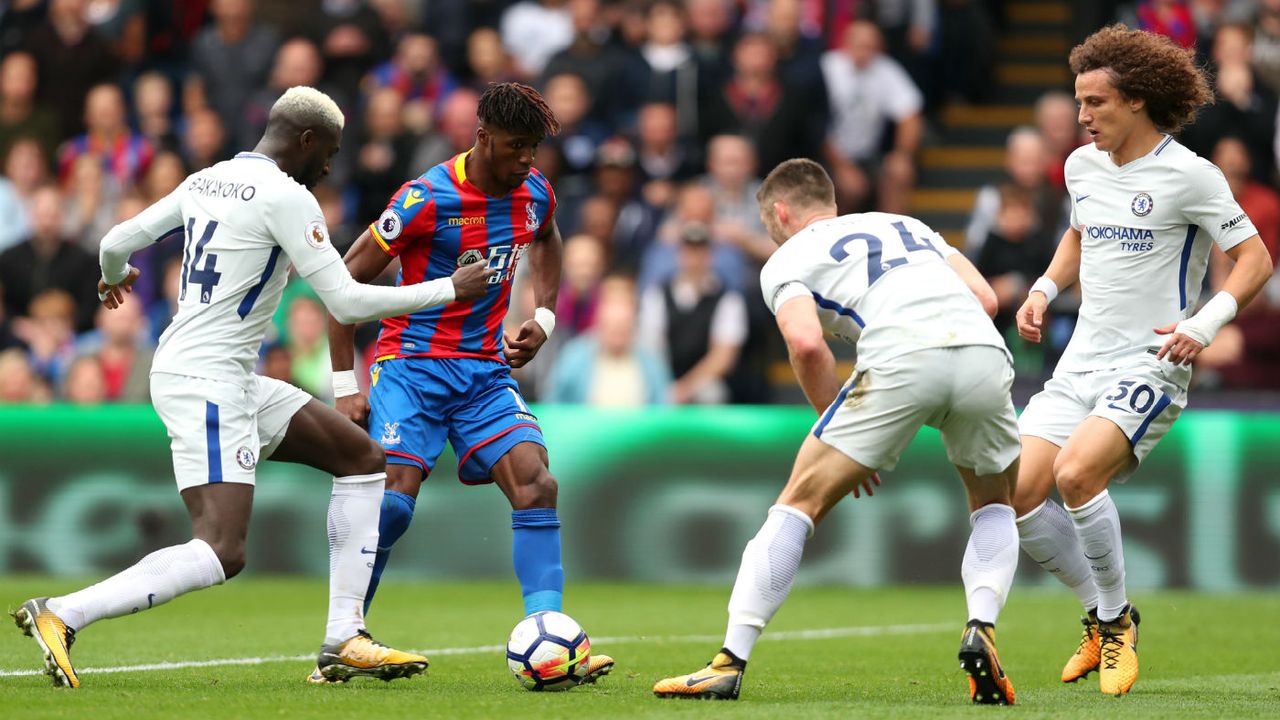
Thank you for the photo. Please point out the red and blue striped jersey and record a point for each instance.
(439, 222)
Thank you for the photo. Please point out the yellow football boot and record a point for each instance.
(362, 656)
(1087, 656)
(719, 680)
(54, 638)
(1118, 644)
(988, 685)
(597, 667)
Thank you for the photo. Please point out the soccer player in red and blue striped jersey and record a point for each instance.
(446, 372)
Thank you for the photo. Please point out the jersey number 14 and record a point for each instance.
(192, 253)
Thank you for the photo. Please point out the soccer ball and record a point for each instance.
(548, 651)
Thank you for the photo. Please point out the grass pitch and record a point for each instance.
(872, 653)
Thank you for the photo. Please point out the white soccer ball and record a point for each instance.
(548, 651)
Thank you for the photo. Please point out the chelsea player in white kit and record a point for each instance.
(237, 218)
(1144, 212)
(928, 354)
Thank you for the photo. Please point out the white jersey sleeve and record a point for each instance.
(882, 281)
(297, 224)
(149, 226)
(1207, 202)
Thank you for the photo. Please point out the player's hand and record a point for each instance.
(354, 407)
(521, 349)
(112, 295)
(1030, 316)
(1180, 349)
(472, 281)
(866, 485)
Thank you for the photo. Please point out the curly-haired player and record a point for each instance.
(1144, 212)
(447, 373)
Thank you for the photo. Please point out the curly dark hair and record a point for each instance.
(517, 109)
(1150, 67)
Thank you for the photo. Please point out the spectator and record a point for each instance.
(799, 59)
(24, 171)
(1260, 202)
(698, 323)
(1171, 18)
(1266, 43)
(869, 90)
(276, 363)
(674, 75)
(19, 384)
(351, 40)
(606, 367)
(1026, 157)
(166, 173)
(455, 130)
(1055, 114)
(382, 161)
(711, 36)
(121, 345)
(297, 62)
(615, 74)
(230, 60)
(70, 61)
(20, 115)
(46, 260)
(7, 338)
(584, 264)
(661, 154)
(160, 313)
(308, 342)
(49, 333)
(1013, 254)
(154, 112)
(694, 206)
(488, 61)
(123, 154)
(731, 178)
(535, 30)
(567, 96)
(122, 24)
(206, 140)
(91, 199)
(415, 72)
(341, 231)
(84, 383)
(633, 218)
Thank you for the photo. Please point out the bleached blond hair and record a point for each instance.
(306, 107)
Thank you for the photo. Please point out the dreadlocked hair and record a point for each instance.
(517, 109)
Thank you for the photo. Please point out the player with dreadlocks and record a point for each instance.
(447, 372)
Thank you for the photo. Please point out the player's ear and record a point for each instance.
(307, 138)
(780, 211)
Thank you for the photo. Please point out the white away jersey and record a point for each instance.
(882, 281)
(1145, 229)
(235, 219)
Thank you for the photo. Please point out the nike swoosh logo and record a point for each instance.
(1081, 198)
(699, 680)
(1041, 562)
(363, 551)
(150, 598)
(1099, 557)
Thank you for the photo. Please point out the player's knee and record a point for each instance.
(1077, 482)
(541, 492)
(372, 460)
(231, 555)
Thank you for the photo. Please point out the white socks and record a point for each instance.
(768, 568)
(1049, 538)
(154, 580)
(1098, 528)
(990, 559)
(353, 544)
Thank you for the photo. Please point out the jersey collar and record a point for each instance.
(255, 156)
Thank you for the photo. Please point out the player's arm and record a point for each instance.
(365, 261)
(1063, 272)
(1250, 272)
(151, 225)
(811, 358)
(978, 285)
(544, 267)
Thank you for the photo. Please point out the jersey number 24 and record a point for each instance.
(876, 264)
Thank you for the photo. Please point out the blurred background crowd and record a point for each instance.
(958, 111)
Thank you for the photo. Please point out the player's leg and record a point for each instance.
(822, 476)
(523, 476)
(208, 422)
(399, 500)
(319, 436)
(1097, 452)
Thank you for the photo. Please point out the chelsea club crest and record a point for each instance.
(1142, 204)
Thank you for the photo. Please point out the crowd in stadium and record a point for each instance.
(671, 111)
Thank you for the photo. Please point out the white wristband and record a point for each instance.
(546, 319)
(344, 383)
(1046, 286)
(1202, 326)
(127, 269)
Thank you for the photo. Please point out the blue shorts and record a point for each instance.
(415, 403)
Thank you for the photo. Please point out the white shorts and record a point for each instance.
(962, 391)
(1142, 399)
(219, 430)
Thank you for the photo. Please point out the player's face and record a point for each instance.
(318, 149)
(1105, 113)
(510, 156)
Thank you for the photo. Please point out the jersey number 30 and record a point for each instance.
(192, 253)
(876, 265)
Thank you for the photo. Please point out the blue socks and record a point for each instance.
(397, 512)
(535, 550)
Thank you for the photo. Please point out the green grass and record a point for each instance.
(1203, 656)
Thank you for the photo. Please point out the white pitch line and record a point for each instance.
(816, 634)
